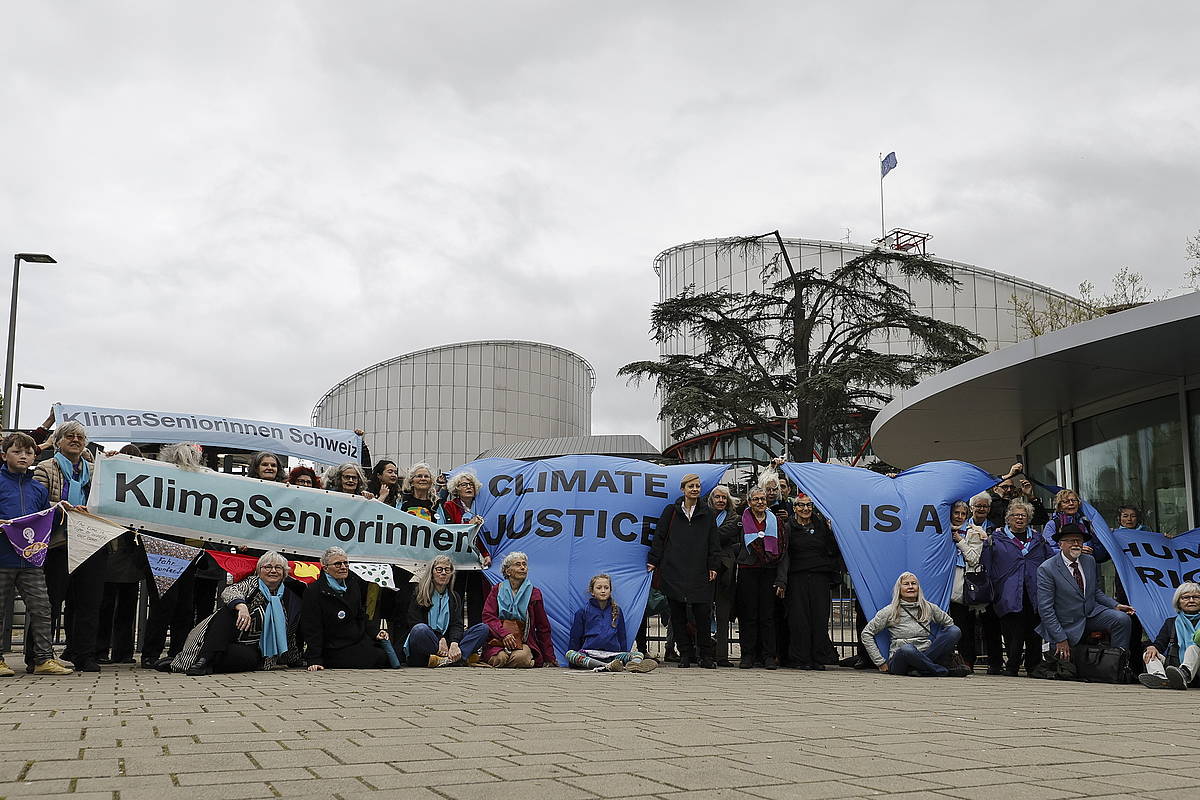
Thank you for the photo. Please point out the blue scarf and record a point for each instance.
(439, 612)
(962, 562)
(1185, 631)
(74, 485)
(274, 638)
(336, 585)
(1028, 543)
(514, 605)
(721, 518)
(750, 532)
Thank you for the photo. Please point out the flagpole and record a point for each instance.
(882, 227)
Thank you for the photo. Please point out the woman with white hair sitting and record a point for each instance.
(909, 622)
(459, 509)
(436, 637)
(255, 628)
(516, 616)
(1173, 659)
(333, 619)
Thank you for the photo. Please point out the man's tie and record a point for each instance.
(1078, 575)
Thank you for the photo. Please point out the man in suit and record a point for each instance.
(1069, 598)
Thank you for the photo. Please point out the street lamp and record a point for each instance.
(32, 258)
(16, 420)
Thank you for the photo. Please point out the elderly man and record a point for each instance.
(1070, 601)
(333, 618)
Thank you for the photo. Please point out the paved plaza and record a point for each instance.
(476, 733)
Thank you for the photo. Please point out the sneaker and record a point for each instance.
(1177, 678)
(616, 665)
(645, 665)
(1152, 681)
(51, 667)
(958, 671)
(5, 670)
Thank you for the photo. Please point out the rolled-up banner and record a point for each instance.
(326, 445)
(229, 509)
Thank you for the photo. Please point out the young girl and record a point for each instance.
(598, 638)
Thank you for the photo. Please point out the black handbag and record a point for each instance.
(977, 588)
(1098, 664)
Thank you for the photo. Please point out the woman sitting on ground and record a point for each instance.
(516, 616)
(254, 629)
(599, 641)
(1164, 667)
(436, 637)
(914, 647)
(333, 619)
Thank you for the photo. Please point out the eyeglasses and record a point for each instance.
(272, 568)
(443, 569)
(338, 564)
(1190, 597)
(804, 505)
(77, 436)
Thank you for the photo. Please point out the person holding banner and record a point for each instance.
(1165, 667)
(333, 619)
(385, 483)
(1011, 558)
(255, 628)
(303, 476)
(436, 637)
(347, 478)
(909, 621)
(812, 564)
(21, 566)
(1068, 510)
(265, 466)
(516, 616)
(68, 476)
(685, 553)
(459, 509)
(762, 576)
(419, 498)
(729, 530)
(599, 640)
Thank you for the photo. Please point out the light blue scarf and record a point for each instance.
(74, 491)
(439, 612)
(721, 518)
(1185, 631)
(335, 584)
(1028, 542)
(514, 605)
(274, 638)
(750, 531)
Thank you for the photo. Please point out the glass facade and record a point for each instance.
(446, 405)
(983, 303)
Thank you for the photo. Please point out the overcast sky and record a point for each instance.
(251, 201)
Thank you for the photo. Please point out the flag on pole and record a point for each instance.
(888, 164)
(30, 535)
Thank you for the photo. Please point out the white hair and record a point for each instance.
(330, 552)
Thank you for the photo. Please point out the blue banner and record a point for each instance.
(886, 526)
(575, 517)
(1151, 566)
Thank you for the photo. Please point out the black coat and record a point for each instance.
(331, 621)
(683, 551)
(811, 548)
(418, 614)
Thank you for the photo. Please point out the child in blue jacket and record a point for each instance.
(598, 638)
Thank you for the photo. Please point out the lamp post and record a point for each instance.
(32, 258)
(16, 418)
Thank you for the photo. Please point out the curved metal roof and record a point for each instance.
(982, 410)
(626, 445)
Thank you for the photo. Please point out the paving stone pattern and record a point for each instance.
(473, 733)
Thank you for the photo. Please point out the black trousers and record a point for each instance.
(85, 593)
(726, 600)
(970, 622)
(204, 598)
(756, 612)
(118, 610)
(173, 611)
(1021, 639)
(55, 570)
(222, 649)
(808, 618)
(363, 654)
(471, 588)
(687, 638)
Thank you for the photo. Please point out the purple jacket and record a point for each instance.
(1014, 576)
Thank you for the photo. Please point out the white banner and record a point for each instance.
(87, 533)
(325, 445)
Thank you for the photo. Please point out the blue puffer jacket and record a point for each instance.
(20, 494)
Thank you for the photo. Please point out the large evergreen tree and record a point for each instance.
(803, 343)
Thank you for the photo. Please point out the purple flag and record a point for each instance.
(30, 535)
(888, 164)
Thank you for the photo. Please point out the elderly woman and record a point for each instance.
(265, 466)
(968, 541)
(685, 553)
(1180, 634)
(459, 509)
(68, 476)
(762, 575)
(418, 497)
(516, 617)
(729, 529)
(304, 476)
(255, 628)
(914, 647)
(436, 637)
(347, 478)
(1011, 558)
(333, 620)
(811, 564)
(1069, 510)
(385, 482)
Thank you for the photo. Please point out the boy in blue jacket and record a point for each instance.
(20, 494)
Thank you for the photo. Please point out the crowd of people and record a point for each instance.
(1026, 583)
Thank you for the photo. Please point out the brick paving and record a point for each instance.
(473, 733)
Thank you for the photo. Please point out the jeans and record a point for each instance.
(925, 662)
(423, 642)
